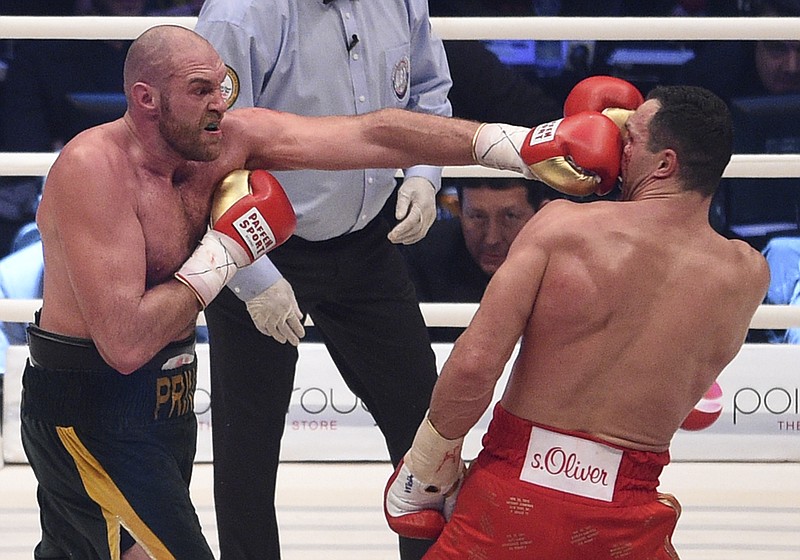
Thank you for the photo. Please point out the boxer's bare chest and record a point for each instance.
(174, 216)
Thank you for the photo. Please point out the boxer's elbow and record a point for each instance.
(474, 371)
(124, 358)
(125, 366)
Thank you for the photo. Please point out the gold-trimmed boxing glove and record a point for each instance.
(577, 155)
(250, 216)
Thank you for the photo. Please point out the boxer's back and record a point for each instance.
(640, 307)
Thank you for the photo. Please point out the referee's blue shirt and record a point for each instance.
(343, 57)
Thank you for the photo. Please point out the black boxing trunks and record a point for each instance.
(112, 453)
(537, 493)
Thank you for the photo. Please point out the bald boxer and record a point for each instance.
(627, 312)
(141, 228)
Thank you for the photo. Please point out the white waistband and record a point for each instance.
(571, 464)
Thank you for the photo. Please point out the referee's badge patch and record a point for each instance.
(400, 77)
(230, 86)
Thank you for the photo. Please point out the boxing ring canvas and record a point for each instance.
(752, 415)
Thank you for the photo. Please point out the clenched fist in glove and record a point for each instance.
(421, 494)
(416, 208)
(275, 313)
(250, 215)
(252, 208)
(577, 155)
(614, 97)
(580, 154)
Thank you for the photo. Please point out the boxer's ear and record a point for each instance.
(143, 96)
(668, 163)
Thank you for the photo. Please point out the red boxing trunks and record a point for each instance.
(539, 493)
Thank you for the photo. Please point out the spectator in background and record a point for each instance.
(749, 75)
(770, 71)
(783, 257)
(456, 260)
(747, 68)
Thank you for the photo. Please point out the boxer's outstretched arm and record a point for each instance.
(573, 155)
(388, 138)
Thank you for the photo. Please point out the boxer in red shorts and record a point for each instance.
(589, 499)
(627, 312)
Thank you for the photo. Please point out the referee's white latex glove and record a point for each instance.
(275, 313)
(416, 207)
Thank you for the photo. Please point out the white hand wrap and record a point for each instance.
(435, 460)
(211, 266)
(498, 146)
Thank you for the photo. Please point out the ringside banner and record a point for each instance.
(753, 414)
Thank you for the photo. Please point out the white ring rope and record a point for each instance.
(454, 28)
(436, 314)
(37, 164)
(544, 28)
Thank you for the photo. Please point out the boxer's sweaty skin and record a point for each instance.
(126, 202)
(614, 343)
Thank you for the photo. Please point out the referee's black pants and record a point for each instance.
(358, 292)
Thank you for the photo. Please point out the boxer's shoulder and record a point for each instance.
(562, 219)
(89, 146)
(750, 259)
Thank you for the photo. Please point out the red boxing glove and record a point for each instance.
(420, 496)
(577, 155)
(250, 215)
(252, 209)
(614, 97)
(412, 510)
(417, 510)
